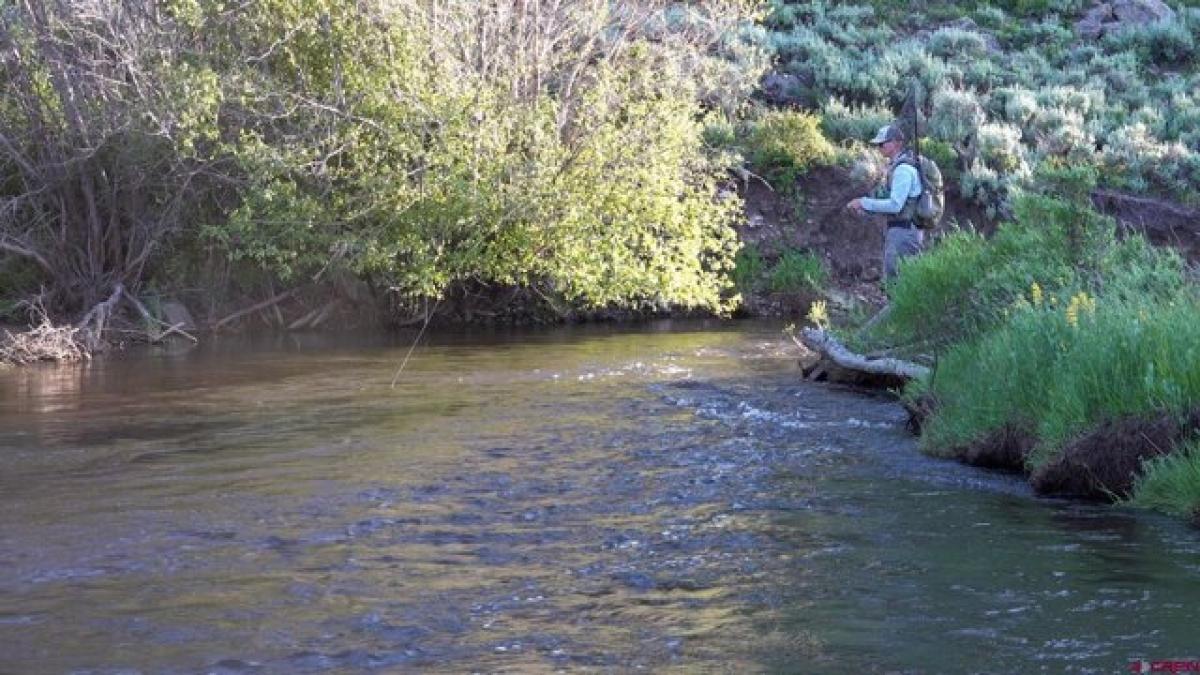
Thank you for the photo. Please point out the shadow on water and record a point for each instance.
(668, 498)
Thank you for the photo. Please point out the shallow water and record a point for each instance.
(669, 498)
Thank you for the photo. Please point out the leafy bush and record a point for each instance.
(1015, 105)
(842, 122)
(798, 271)
(784, 144)
(1000, 147)
(956, 43)
(1075, 99)
(1049, 36)
(945, 157)
(1164, 43)
(991, 17)
(957, 115)
(1063, 133)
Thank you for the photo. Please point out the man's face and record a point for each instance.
(889, 148)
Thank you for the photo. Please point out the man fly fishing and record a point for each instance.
(904, 236)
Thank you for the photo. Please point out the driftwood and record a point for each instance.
(43, 342)
(314, 318)
(153, 333)
(887, 370)
(91, 327)
(269, 302)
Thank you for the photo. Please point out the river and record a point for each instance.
(670, 497)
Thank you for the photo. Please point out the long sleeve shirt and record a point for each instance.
(906, 184)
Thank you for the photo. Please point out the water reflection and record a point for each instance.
(590, 498)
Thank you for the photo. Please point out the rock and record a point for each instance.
(781, 88)
(1116, 15)
(175, 313)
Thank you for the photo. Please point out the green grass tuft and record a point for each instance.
(1171, 484)
(798, 271)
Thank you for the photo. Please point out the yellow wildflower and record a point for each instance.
(818, 314)
(1035, 291)
(1081, 301)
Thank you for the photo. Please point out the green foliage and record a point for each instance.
(793, 272)
(1065, 96)
(842, 122)
(957, 115)
(782, 145)
(943, 154)
(1052, 326)
(1164, 43)
(748, 269)
(798, 271)
(956, 43)
(961, 289)
(292, 137)
(1171, 484)
(1059, 376)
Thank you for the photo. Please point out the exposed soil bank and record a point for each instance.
(1105, 462)
(1102, 464)
(1006, 448)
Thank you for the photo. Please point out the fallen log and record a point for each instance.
(833, 354)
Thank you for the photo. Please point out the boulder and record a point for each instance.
(1116, 15)
(781, 88)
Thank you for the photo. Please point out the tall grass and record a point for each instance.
(1061, 368)
(798, 271)
(968, 285)
(1053, 326)
(1172, 483)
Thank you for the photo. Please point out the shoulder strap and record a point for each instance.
(906, 158)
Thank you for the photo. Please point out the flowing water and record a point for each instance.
(667, 498)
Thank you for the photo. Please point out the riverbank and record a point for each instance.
(1061, 349)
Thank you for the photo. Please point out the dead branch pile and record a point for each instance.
(44, 342)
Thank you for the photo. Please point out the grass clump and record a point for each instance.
(1171, 484)
(748, 269)
(1050, 331)
(1061, 368)
(798, 271)
(794, 271)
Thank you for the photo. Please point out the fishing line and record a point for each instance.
(428, 317)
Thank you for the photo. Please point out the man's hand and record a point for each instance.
(856, 206)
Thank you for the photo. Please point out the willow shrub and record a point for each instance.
(567, 155)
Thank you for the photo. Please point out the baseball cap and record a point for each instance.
(888, 132)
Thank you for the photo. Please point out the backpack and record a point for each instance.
(931, 203)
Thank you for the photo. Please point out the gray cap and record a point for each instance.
(886, 133)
